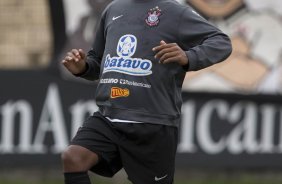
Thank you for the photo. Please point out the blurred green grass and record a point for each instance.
(31, 176)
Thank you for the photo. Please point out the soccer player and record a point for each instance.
(142, 50)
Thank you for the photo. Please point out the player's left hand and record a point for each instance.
(170, 52)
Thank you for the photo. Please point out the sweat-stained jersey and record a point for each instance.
(133, 84)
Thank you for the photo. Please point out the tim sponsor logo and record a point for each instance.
(117, 92)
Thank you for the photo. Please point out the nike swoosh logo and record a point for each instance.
(161, 178)
(114, 18)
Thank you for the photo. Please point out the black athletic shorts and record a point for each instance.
(146, 151)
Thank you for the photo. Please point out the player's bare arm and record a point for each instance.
(170, 52)
(75, 61)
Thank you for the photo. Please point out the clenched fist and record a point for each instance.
(75, 61)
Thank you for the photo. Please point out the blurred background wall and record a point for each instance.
(232, 113)
(26, 37)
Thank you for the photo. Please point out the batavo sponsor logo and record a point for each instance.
(124, 63)
(130, 66)
(119, 92)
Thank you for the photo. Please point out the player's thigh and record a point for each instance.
(149, 156)
(99, 138)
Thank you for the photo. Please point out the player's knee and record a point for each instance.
(72, 162)
(67, 157)
(75, 158)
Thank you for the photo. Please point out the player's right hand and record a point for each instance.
(75, 61)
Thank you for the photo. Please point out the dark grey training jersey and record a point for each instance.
(133, 84)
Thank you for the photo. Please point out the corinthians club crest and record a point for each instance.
(153, 16)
